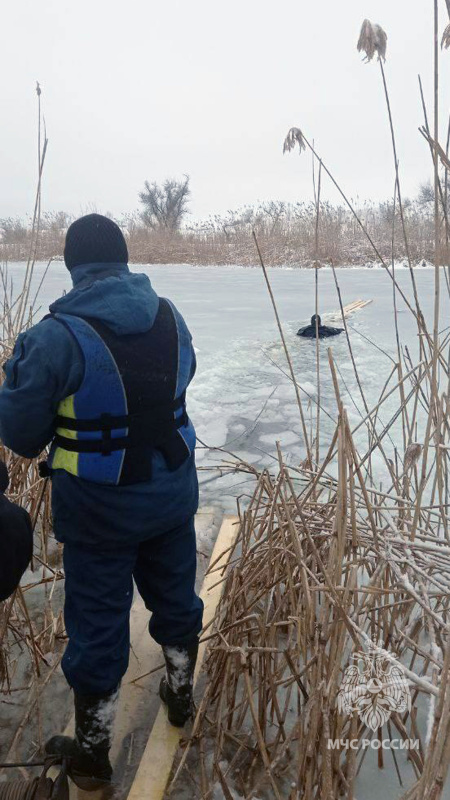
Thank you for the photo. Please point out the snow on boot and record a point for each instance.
(88, 753)
(176, 688)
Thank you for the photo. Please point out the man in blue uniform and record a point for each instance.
(102, 380)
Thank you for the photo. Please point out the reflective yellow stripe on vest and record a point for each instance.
(63, 459)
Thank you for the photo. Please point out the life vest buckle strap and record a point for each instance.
(109, 422)
(106, 422)
(105, 427)
(152, 437)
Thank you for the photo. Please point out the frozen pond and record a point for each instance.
(240, 398)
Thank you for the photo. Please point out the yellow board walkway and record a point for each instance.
(156, 764)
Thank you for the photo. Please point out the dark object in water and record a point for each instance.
(309, 332)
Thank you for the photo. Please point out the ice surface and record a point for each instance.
(241, 399)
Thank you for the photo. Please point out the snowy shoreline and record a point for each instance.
(375, 265)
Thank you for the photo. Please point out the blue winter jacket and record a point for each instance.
(46, 367)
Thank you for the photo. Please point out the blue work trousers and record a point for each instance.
(99, 594)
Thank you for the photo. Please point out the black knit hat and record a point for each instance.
(94, 239)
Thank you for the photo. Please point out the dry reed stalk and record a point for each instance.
(316, 304)
(312, 549)
(27, 639)
(357, 218)
(288, 358)
(330, 566)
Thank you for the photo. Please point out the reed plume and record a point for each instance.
(372, 40)
(412, 455)
(293, 138)
(445, 41)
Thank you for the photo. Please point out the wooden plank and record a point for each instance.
(349, 309)
(357, 305)
(156, 764)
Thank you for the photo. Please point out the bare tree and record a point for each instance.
(276, 210)
(13, 231)
(165, 205)
(425, 197)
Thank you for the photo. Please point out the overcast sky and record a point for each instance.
(149, 89)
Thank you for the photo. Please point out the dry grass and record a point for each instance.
(330, 564)
(30, 635)
(320, 573)
(286, 231)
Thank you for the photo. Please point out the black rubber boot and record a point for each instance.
(176, 688)
(88, 753)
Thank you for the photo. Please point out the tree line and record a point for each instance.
(160, 231)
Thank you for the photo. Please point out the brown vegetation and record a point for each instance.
(31, 633)
(286, 231)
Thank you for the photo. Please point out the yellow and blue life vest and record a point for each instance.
(130, 403)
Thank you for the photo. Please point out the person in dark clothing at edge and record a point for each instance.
(16, 539)
(103, 378)
(316, 329)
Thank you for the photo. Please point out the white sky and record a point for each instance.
(148, 90)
